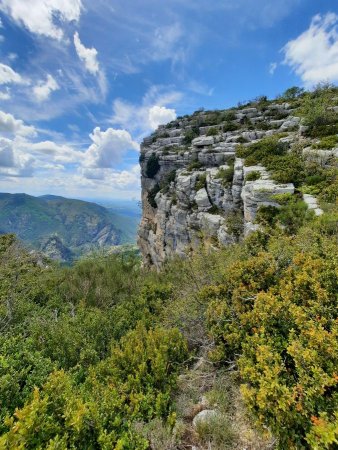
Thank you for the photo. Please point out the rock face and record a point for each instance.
(194, 187)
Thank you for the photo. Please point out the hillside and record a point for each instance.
(210, 175)
(232, 343)
(80, 226)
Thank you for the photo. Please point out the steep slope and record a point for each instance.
(206, 176)
(80, 225)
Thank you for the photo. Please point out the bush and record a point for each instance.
(189, 135)
(153, 166)
(168, 179)
(253, 176)
(201, 182)
(234, 223)
(152, 194)
(293, 93)
(229, 126)
(327, 142)
(195, 165)
(226, 175)
(212, 132)
(258, 152)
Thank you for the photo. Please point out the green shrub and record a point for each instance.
(234, 223)
(189, 135)
(215, 210)
(167, 180)
(258, 152)
(226, 175)
(327, 142)
(201, 182)
(242, 140)
(253, 176)
(195, 165)
(153, 166)
(212, 132)
(152, 194)
(229, 126)
(228, 116)
(293, 93)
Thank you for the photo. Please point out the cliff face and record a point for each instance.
(194, 186)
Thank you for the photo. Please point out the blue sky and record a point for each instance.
(82, 81)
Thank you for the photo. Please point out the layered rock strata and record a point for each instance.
(194, 187)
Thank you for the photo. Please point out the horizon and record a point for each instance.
(82, 84)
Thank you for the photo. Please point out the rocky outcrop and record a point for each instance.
(194, 187)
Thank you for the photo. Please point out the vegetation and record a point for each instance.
(226, 175)
(253, 176)
(195, 165)
(212, 131)
(107, 354)
(152, 194)
(153, 166)
(327, 142)
(189, 135)
(201, 182)
(76, 223)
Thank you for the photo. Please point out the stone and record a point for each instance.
(203, 141)
(183, 215)
(202, 199)
(312, 204)
(205, 416)
(291, 122)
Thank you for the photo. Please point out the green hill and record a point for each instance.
(81, 225)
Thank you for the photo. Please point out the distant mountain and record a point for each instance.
(68, 226)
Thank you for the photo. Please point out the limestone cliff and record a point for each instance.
(194, 186)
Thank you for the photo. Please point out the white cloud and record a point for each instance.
(114, 178)
(159, 115)
(58, 153)
(6, 153)
(314, 54)
(146, 117)
(87, 55)
(272, 68)
(108, 147)
(14, 163)
(44, 89)
(8, 75)
(43, 17)
(9, 124)
(5, 95)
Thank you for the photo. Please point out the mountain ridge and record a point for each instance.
(81, 226)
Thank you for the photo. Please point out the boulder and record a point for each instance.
(204, 417)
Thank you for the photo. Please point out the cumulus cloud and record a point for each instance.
(9, 124)
(51, 151)
(87, 55)
(314, 54)
(14, 163)
(44, 89)
(116, 179)
(8, 75)
(108, 147)
(43, 17)
(6, 153)
(146, 117)
(159, 115)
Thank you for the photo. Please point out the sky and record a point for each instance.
(82, 81)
